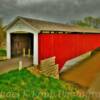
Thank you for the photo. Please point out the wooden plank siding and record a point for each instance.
(66, 46)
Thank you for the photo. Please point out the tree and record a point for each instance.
(97, 23)
(88, 22)
(1, 21)
(2, 35)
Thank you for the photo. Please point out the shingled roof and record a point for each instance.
(41, 25)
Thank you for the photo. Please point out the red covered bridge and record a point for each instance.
(47, 39)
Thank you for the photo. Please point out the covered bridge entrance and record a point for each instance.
(21, 44)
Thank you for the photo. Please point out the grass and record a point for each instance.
(2, 52)
(22, 85)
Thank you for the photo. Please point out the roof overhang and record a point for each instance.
(20, 19)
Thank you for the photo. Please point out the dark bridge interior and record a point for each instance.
(20, 41)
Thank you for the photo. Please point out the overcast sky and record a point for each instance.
(51, 10)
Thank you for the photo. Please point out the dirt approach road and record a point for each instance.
(94, 89)
(13, 64)
(85, 72)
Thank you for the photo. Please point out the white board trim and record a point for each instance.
(35, 50)
(8, 45)
(25, 29)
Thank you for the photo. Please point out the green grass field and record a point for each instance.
(22, 85)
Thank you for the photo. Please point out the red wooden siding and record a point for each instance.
(66, 46)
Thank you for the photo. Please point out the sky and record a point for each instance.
(62, 11)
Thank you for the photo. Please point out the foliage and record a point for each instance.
(88, 22)
(22, 85)
(2, 52)
(2, 35)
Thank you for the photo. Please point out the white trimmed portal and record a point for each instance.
(24, 28)
(8, 45)
(35, 50)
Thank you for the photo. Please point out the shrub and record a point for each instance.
(2, 52)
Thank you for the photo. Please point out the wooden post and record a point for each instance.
(24, 52)
(20, 65)
(29, 52)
